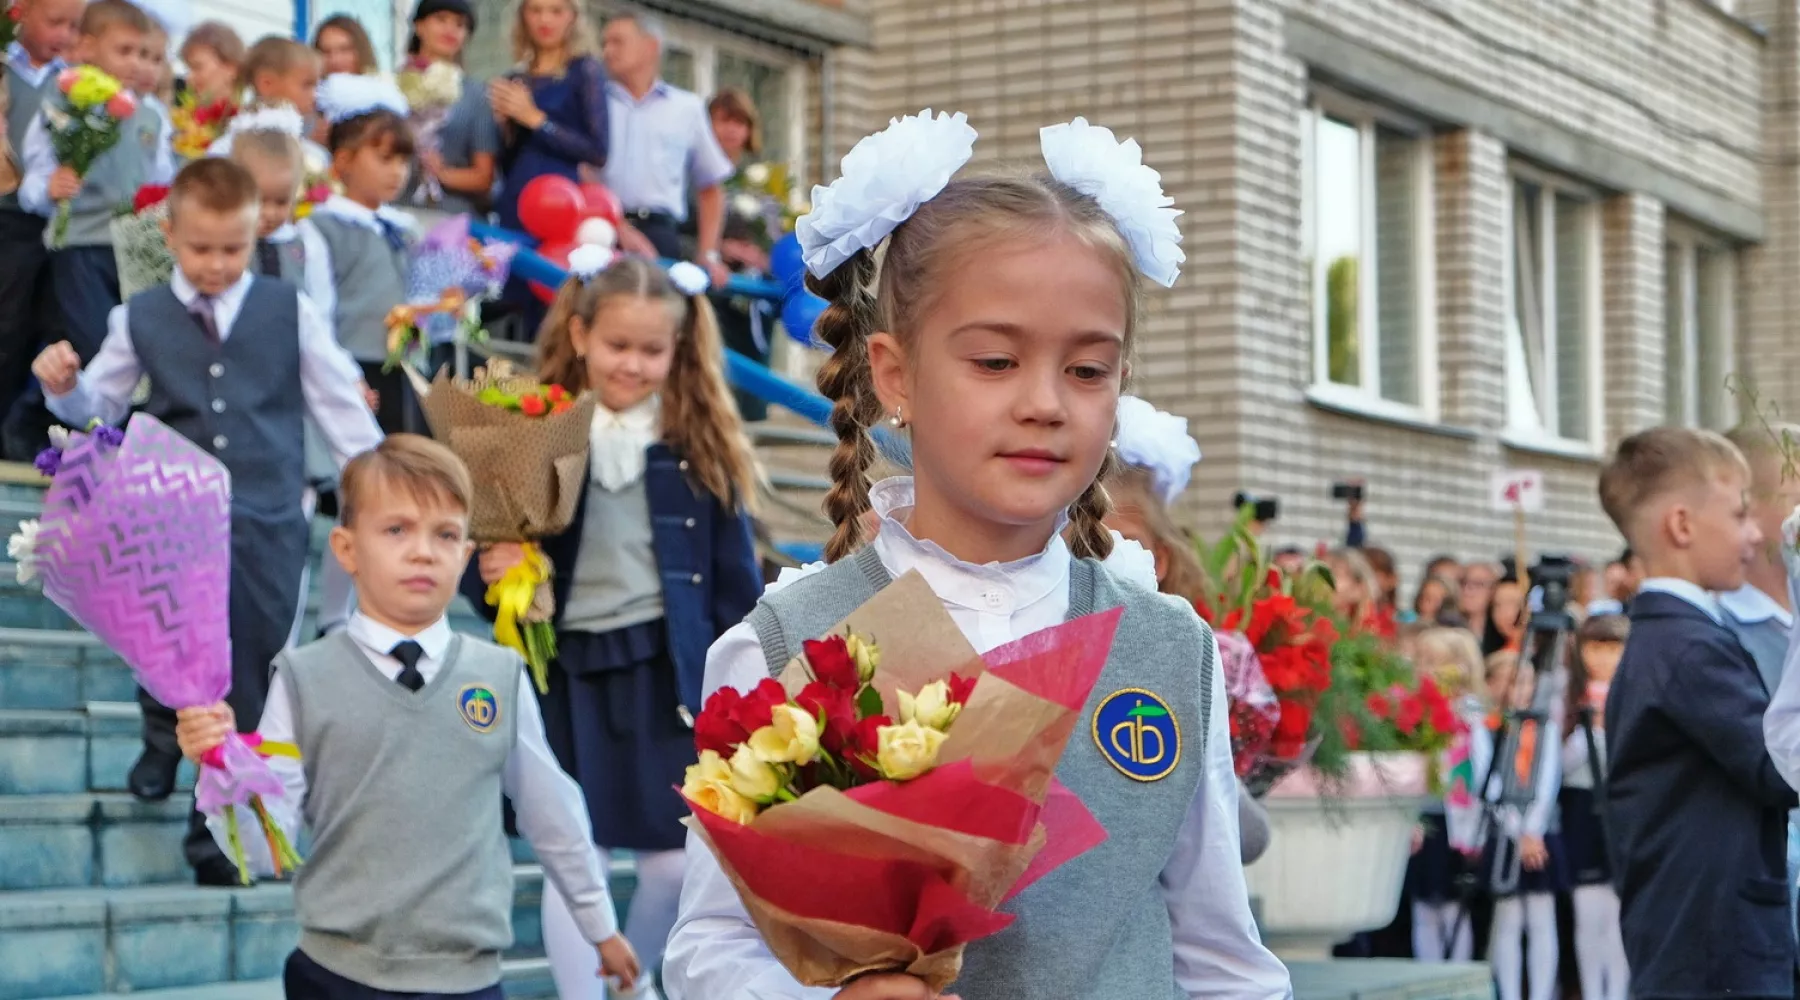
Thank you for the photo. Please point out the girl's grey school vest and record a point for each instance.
(371, 280)
(409, 884)
(114, 178)
(1098, 927)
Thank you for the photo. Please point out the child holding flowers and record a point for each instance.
(84, 166)
(657, 564)
(992, 316)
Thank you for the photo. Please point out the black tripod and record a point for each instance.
(1547, 636)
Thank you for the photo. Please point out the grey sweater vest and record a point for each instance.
(25, 102)
(409, 885)
(371, 281)
(113, 179)
(240, 400)
(1098, 927)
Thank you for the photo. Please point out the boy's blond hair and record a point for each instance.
(273, 54)
(425, 470)
(102, 16)
(267, 146)
(214, 185)
(1649, 465)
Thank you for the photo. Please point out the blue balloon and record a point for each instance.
(785, 261)
(798, 314)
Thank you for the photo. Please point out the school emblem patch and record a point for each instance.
(480, 709)
(1138, 734)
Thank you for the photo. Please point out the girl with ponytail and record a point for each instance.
(991, 318)
(657, 564)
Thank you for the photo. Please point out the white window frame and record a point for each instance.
(1366, 396)
(705, 44)
(1543, 431)
(1683, 247)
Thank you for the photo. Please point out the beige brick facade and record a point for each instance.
(1662, 108)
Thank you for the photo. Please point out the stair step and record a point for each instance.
(48, 752)
(71, 942)
(523, 978)
(782, 479)
(95, 839)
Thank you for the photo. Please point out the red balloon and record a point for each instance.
(602, 203)
(551, 208)
(556, 253)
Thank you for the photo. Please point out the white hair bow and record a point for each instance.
(587, 261)
(689, 279)
(343, 96)
(1089, 159)
(1159, 442)
(278, 118)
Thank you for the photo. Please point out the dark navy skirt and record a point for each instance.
(1553, 877)
(612, 718)
(1583, 838)
(1432, 874)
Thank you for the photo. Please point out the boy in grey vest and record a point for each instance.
(113, 40)
(408, 736)
(46, 30)
(235, 363)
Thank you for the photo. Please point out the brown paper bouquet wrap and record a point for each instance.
(526, 446)
(899, 876)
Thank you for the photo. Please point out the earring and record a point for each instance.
(897, 420)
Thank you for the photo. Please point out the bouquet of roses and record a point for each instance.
(135, 544)
(526, 445)
(909, 777)
(139, 246)
(197, 126)
(431, 89)
(83, 125)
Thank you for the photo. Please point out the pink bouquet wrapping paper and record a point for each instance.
(135, 544)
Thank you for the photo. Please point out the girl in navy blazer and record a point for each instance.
(658, 563)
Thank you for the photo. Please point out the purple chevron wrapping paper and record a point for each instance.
(135, 544)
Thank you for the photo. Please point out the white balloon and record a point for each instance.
(597, 233)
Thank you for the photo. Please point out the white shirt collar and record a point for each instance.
(378, 640)
(22, 64)
(228, 301)
(965, 584)
(1749, 605)
(362, 215)
(1686, 590)
(287, 232)
(646, 415)
(661, 88)
(617, 442)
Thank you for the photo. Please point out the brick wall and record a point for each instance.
(1212, 92)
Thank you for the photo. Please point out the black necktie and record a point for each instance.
(396, 236)
(409, 653)
(268, 259)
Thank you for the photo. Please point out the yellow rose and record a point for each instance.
(866, 654)
(791, 737)
(930, 707)
(907, 750)
(708, 785)
(752, 777)
(92, 87)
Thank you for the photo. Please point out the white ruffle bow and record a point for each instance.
(1091, 160)
(883, 181)
(343, 96)
(617, 443)
(1149, 438)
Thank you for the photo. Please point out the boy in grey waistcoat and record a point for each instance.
(46, 31)
(113, 39)
(236, 362)
(408, 736)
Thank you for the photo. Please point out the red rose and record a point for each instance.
(149, 195)
(561, 406)
(532, 405)
(1379, 706)
(716, 728)
(758, 705)
(838, 709)
(864, 743)
(961, 687)
(831, 663)
(556, 393)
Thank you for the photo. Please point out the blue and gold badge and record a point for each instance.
(1136, 732)
(480, 709)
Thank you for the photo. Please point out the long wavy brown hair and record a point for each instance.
(699, 416)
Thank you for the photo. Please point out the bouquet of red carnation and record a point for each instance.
(140, 249)
(910, 777)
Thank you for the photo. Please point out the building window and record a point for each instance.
(706, 60)
(1368, 240)
(1701, 322)
(1553, 386)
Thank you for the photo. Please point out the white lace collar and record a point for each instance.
(617, 442)
(371, 219)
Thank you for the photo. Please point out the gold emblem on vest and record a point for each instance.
(1138, 734)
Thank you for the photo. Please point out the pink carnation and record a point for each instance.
(121, 105)
(65, 81)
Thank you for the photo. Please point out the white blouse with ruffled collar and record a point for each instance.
(617, 442)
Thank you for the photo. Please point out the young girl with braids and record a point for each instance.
(992, 316)
(656, 565)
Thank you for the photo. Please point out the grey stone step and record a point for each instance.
(97, 839)
(45, 752)
(73, 942)
(525, 979)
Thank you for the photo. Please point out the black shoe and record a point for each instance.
(216, 871)
(153, 776)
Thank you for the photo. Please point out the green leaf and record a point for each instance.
(1148, 711)
(868, 702)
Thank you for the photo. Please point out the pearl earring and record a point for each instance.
(897, 420)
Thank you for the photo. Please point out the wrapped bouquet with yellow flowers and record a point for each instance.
(84, 122)
(909, 778)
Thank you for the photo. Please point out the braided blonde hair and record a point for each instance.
(892, 287)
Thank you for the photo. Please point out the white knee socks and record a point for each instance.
(1433, 924)
(648, 922)
(1599, 947)
(1533, 916)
